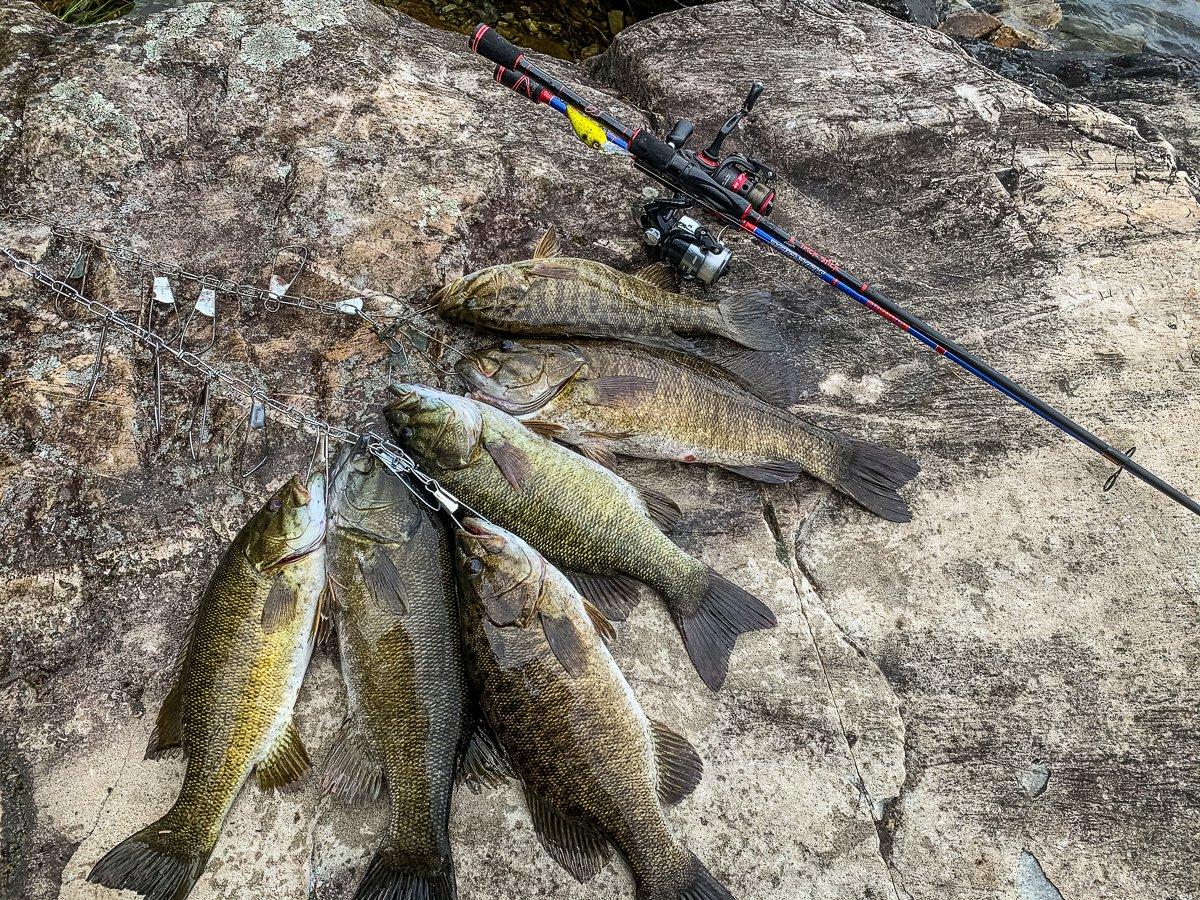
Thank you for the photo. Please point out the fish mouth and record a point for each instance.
(474, 526)
(407, 398)
(297, 555)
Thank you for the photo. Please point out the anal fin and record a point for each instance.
(285, 762)
(662, 509)
(614, 595)
(483, 762)
(168, 727)
(579, 850)
(775, 472)
(679, 766)
(351, 773)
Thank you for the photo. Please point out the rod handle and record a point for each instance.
(523, 84)
(488, 43)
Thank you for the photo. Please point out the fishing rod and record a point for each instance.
(734, 189)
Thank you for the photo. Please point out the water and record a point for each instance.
(1165, 26)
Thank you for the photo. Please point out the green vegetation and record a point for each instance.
(86, 12)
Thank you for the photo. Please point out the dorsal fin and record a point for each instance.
(658, 274)
(548, 246)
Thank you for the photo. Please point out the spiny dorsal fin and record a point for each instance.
(548, 246)
(484, 762)
(285, 762)
(620, 390)
(279, 607)
(168, 727)
(664, 511)
(351, 773)
(512, 462)
(577, 849)
(679, 766)
(658, 274)
(566, 643)
(603, 627)
(614, 595)
(384, 580)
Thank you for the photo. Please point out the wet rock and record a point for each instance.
(867, 746)
(970, 24)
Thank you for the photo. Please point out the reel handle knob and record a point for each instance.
(756, 90)
(490, 44)
(680, 133)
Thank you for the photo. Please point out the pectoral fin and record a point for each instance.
(512, 462)
(279, 607)
(351, 773)
(620, 390)
(566, 643)
(550, 430)
(577, 849)
(384, 580)
(285, 762)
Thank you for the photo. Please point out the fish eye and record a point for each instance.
(507, 346)
(406, 433)
(469, 303)
(474, 565)
(275, 503)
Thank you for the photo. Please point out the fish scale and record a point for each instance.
(401, 660)
(576, 512)
(230, 709)
(576, 737)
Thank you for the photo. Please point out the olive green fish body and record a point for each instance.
(565, 296)
(231, 707)
(583, 515)
(398, 635)
(575, 511)
(615, 399)
(569, 724)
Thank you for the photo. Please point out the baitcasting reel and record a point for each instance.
(680, 240)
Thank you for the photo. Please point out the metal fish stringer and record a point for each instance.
(280, 284)
(199, 432)
(98, 363)
(256, 421)
(205, 308)
(162, 295)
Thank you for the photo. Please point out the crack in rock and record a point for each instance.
(879, 779)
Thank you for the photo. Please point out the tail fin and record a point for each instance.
(724, 612)
(144, 864)
(745, 320)
(698, 884)
(873, 476)
(389, 880)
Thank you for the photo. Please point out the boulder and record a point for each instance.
(996, 700)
